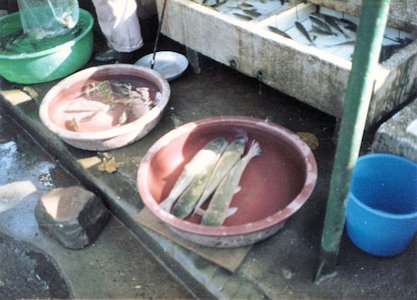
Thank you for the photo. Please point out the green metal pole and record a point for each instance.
(370, 33)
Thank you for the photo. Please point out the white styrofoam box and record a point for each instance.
(314, 73)
(402, 14)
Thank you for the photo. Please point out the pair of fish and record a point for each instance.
(347, 24)
(327, 25)
(322, 27)
(219, 207)
(248, 14)
(317, 26)
(334, 21)
(213, 169)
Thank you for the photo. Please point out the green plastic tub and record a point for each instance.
(49, 64)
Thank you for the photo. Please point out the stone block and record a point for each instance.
(398, 135)
(72, 215)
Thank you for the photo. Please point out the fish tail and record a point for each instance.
(199, 211)
(254, 150)
(200, 202)
(212, 218)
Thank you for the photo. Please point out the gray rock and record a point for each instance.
(72, 215)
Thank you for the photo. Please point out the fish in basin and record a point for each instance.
(205, 183)
(226, 162)
(196, 169)
(218, 209)
(187, 201)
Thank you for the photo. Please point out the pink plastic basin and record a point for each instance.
(273, 187)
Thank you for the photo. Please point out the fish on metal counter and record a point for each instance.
(198, 164)
(218, 209)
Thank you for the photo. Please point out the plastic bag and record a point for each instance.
(41, 18)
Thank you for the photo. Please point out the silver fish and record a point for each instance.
(302, 29)
(345, 43)
(252, 13)
(319, 30)
(245, 5)
(244, 17)
(348, 24)
(331, 21)
(280, 32)
(326, 17)
(226, 162)
(194, 168)
(320, 23)
(187, 201)
(218, 209)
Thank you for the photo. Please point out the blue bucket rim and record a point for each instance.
(45, 52)
(380, 212)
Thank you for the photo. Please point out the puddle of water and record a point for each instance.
(22, 171)
(16, 165)
(8, 155)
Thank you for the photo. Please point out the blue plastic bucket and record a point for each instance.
(381, 214)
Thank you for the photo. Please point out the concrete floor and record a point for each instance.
(34, 265)
(282, 266)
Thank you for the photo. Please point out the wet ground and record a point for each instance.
(282, 266)
(33, 265)
(26, 272)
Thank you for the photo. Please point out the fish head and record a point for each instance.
(241, 134)
(217, 145)
(238, 145)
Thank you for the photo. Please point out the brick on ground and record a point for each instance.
(72, 215)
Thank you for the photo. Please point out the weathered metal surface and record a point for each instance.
(309, 74)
